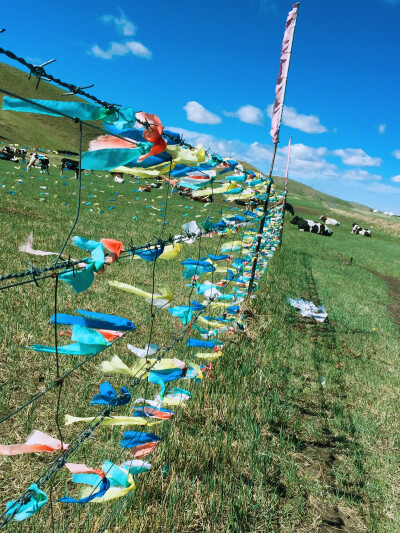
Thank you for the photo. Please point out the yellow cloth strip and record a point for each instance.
(113, 421)
(209, 356)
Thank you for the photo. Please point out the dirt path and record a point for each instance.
(394, 294)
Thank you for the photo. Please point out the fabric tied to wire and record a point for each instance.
(111, 158)
(89, 342)
(196, 268)
(79, 280)
(136, 466)
(34, 500)
(120, 479)
(171, 251)
(153, 412)
(185, 312)
(81, 110)
(112, 421)
(150, 254)
(96, 249)
(203, 344)
(83, 474)
(37, 442)
(159, 300)
(108, 395)
(149, 349)
(139, 444)
(161, 377)
(114, 247)
(209, 356)
(95, 320)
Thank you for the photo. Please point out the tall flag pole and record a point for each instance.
(287, 165)
(276, 120)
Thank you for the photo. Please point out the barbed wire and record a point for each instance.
(105, 412)
(37, 274)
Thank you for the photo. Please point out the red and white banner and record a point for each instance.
(283, 73)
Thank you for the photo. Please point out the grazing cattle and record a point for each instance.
(290, 208)
(329, 221)
(311, 226)
(361, 231)
(12, 153)
(202, 199)
(69, 164)
(39, 161)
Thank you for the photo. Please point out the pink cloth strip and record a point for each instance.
(80, 468)
(283, 72)
(37, 442)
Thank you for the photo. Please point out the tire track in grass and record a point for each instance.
(322, 455)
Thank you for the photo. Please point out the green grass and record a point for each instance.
(262, 447)
(37, 131)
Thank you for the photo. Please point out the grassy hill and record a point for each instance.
(37, 131)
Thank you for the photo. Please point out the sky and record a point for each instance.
(208, 69)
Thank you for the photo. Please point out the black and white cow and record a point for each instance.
(12, 153)
(69, 164)
(361, 231)
(290, 208)
(311, 226)
(329, 221)
(39, 161)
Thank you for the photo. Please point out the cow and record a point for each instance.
(311, 226)
(329, 221)
(39, 161)
(202, 199)
(69, 164)
(12, 153)
(361, 231)
(118, 177)
(290, 208)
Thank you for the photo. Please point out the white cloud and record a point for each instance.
(396, 179)
(396, 154)
(357, 157)
(306, 162)
(122, 24)
(121, 49)
(382, 129)
(247, 113)
(306, 123)
(359, 175)
(195, 112)
(381, 187)
(266, 5)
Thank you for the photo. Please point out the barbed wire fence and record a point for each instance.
(34, 275)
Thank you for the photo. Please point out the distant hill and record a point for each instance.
(41, 131)
(37, 131)
(296, 188)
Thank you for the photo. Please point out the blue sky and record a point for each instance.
(209, 69)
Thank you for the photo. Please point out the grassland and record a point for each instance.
(263, 446)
